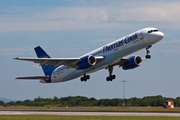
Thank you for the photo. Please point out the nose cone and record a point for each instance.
(159, 36)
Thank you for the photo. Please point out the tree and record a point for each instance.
(55, 99)
(11, 103)
(84, 101)
(39, 99)
(2, 103)
(19, 103)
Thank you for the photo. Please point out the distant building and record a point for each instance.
(169, 104)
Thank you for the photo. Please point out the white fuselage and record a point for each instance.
(113, 52)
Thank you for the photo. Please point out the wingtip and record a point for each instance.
(18, 78)
(17, 58)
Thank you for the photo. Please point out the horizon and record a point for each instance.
(9, 100)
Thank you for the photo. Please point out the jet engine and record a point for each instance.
(86, 62)
(132, 62)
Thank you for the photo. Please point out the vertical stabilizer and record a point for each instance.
(48, 69)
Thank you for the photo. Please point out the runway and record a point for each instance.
(92, 113)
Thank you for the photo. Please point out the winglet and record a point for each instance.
(17, 58)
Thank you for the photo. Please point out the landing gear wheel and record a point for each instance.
(85, 78)
(88, 77)
(110, 78)
(113, 77)
(82, 79)
(148, 56)
(107, 78)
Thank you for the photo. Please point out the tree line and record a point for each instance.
(85, 101)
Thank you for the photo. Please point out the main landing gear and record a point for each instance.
(148, 51)
(85, 77)
(111, 77)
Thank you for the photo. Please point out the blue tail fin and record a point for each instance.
(48, 69)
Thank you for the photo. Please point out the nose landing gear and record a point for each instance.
(148, 51)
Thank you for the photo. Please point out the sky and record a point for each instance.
(71, 28)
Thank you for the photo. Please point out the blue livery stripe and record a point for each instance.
(48, 69)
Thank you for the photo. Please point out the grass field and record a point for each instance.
(55, 117)
(93, 108)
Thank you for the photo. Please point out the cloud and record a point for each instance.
(36, 66)
(175, 50)
(171, 41)
(145, 77)
(172, 46)
(149, 11)
(105, 40)
(55, 51)
(118, 15)
(16, 51)
(102, 41)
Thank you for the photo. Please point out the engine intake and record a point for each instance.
(132, 62)
(86, 62)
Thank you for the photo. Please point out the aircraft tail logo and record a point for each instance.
(48, 69)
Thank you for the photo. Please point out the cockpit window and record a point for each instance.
(155, 30)
(150, 31)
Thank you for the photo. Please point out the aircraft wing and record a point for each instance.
(34, 77)
(123, 60)
(71, 62)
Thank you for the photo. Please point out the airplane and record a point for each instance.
(107, 56)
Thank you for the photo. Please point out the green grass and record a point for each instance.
(92, 108)
(56, 117)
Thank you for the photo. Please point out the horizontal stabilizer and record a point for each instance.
(34, 77)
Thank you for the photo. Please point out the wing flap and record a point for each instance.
(34, 77)
(71, 62)
(52, 61)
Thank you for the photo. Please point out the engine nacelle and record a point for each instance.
(132, 62)
(86, 62)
